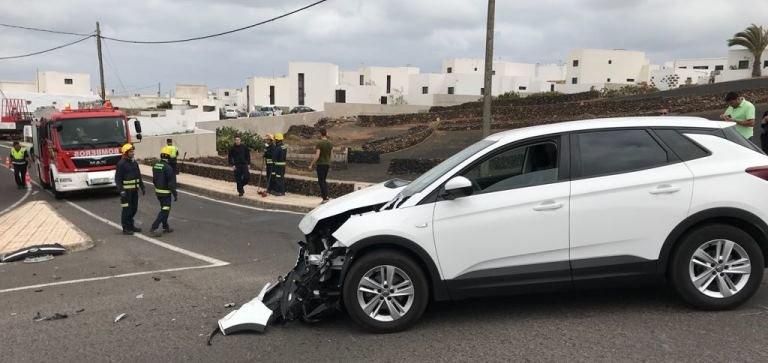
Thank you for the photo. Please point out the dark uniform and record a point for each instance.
(128, 181)
(19, 161)
(173, 160)
(270, 164)
(164, 179)
(279, 155)
(240, 158)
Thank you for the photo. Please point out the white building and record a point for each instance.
(588, 68)
(54, 83)
(191, 92)
(739, 66)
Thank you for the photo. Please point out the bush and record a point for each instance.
(164, 105)
(509, 96)
(629, 90)
(225, 138)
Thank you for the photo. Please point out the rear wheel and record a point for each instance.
(717, 267)
(385, 292)
(40, 177)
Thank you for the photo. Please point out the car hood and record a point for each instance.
(372, 195)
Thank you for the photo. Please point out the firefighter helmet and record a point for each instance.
(279, 136)
(126, 148)
(165, 152)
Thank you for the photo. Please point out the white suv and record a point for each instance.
(586, 203)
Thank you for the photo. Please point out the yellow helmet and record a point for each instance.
(279, 136)
(126, 148)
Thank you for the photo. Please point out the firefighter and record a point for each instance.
(173, 155)
(20, 160)
(164, 178)
(268, 160)
(279, 155)
(128, 182)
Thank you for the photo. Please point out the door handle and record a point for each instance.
(664, 189)
(423, 225)
(548, 205)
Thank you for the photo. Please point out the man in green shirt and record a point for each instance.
(740, 111)
(323, 161)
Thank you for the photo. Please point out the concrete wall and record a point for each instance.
(708, 64)
(267, 124)
(191, 91)
(57, 83)
(200, 143)
(594, 67)
(334, 110)
(259, 91)
(669, 78)
(137, 102)
(320, 82)
(18, 86)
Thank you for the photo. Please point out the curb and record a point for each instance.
(236, 199)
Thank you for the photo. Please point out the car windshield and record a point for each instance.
(268, 109)
(435, 173)
(92, 133)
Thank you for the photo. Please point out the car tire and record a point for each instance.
(407, 308)
(56, 194)
(701, 275)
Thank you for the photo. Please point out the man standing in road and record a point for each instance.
(20, 161)
(240, 159)
(165, 186)
(740, 111)
(323, 161)
(269, 162)
(128, 182)
(279, 155)
(173, 155)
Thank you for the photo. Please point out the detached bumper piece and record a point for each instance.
(309, 292)
(33, 251)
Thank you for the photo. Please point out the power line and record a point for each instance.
(42, 30)
(217, 34)
(47, 50)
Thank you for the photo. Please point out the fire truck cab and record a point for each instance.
(79, 149)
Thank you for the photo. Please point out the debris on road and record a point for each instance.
(229, 305)
(39, 290)
(34, 251)
(120, 317)
(56, 316)
(78, 311)
(155, 278)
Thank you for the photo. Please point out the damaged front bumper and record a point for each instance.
(309, 292)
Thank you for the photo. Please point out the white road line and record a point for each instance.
(14, 205)
(236, 204)
(132, 274)
(210, 260)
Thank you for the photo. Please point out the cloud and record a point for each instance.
(352, 33)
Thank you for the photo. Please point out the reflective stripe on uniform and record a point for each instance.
(124, 205)
(280, 163)
(166, 207)
(131, 182)
(162, 191)
(129, 187)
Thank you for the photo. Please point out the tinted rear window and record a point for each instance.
(618, 151)
(734, 136)
(685, 148)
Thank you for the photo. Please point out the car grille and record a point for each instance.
(96, 161)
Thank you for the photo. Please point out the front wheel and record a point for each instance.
(717, 267)
(385, 292)
(56, 193)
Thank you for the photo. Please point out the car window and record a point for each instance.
(734, 136)
(520, 167)
(681, 145)
(617, 151)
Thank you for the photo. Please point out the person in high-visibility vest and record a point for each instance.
(279, 155)
(269, 149)
(173, 155)
(19, 161)
(165, 186)
(128, 182)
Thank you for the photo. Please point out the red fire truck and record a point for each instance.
(79, 149)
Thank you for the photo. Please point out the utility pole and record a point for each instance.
(101, 64)
(487, 88)
(158, 89)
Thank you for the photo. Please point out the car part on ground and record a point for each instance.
(33, 251)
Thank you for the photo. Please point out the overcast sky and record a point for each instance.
(352, 33)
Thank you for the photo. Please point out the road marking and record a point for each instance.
(14, 205)
(132, 274)
(214, 262)
(235, 204)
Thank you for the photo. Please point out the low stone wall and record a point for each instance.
(411, 166)
(363, 157)
(390, 144)
(293, 184)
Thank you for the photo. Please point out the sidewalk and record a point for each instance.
(35, 223)
(226, 190)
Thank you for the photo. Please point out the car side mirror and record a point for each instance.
(457, 186)
(137, 126)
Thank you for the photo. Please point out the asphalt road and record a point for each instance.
(180, 307)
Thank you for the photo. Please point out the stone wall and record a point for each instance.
(413, 136)
(363, 157)
(411, 166)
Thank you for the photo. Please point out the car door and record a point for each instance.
(512, 231)
(627, 194)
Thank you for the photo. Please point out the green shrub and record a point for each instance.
(225, 138)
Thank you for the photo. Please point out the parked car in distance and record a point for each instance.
(229, 112)
(269, 111)
(591, 203)
(302, 109)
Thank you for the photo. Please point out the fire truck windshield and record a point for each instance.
(92, 133)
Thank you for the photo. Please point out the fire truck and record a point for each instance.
(78, 149)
